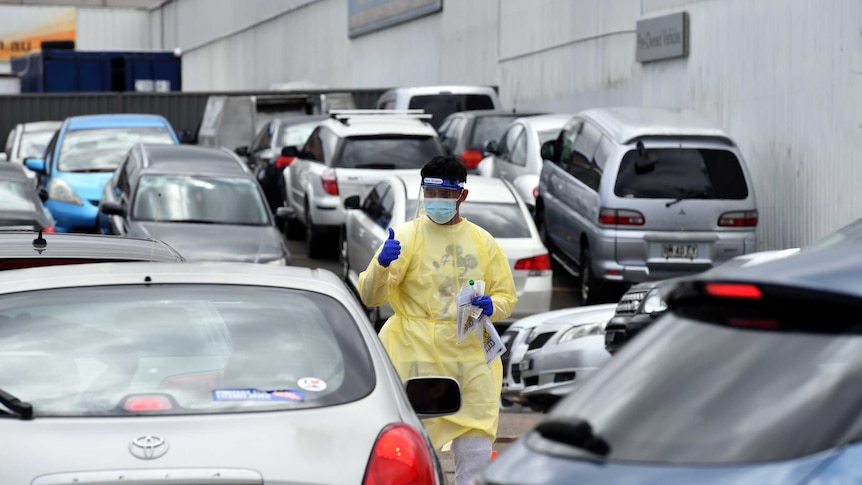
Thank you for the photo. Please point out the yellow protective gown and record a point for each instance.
(421, 337)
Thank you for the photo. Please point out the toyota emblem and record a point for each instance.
(148, 447)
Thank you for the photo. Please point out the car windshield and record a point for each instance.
(33, 144)
(179, 349)
(101, 150)
(849, 233)
(700, 393)
(295, 134)
(681, 173)
(200, 199)
(403, 152)
(549, 135)
(502, 221)
(17, 196)
(439, 106)
(487, 128)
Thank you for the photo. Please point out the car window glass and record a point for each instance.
(439, 106)
(209, 348)
(519, 150)
(295, 134)
(377, 152)
(508, 140)
(257, 142)
(313, 148)
(121, 178)
(487, 128)
(33, 144)
(600, 158)
(567, 140)
(9, 140)
(17, 196)
(102, 149)
(386, 206)
(49, 151)
(372, 205)
(681, 172)
(501, 220)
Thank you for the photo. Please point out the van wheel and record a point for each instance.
(588, 284)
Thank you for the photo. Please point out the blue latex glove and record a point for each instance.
(485, 303)
(391, 250)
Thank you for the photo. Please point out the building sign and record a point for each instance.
(662, 37)
(24, 29)
(366, 16)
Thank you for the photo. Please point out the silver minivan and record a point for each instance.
(632, 194)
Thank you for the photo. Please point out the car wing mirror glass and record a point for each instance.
(241, 151)
(433, 396)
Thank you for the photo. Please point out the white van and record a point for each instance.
(440, 101)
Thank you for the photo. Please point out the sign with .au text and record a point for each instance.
(364, 16)
(662, 37)
(23, 30)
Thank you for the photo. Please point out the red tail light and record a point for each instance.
(734, 290)
(738, 219)
(147, 403)
(400, 457)
(330, 182)
(471, 158)
(49, 229)
(540, 263)
(282, 162)
(621, 217)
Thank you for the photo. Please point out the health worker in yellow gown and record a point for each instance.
(419, 270)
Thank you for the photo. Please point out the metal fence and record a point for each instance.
(183, 110)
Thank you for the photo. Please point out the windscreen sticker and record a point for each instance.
(256, 395)
(312, 384)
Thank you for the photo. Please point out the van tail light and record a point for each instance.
(537, 265)
(330, 182)
(400, 457)
(471, 158)
(620, 217)
(282, 162)
(49, 229)
(738, 219)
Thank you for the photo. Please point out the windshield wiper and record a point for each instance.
(577, 433)
(382, 166)
(699, 194)
(193, 221)
(23, 410)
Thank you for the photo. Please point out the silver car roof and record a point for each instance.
(628, 123)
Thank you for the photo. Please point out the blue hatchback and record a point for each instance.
(752, 376)
(82, 156)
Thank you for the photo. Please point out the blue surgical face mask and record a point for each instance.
(441, 211)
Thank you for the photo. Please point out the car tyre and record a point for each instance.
(588, 287)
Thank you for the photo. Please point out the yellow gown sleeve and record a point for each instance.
(376, 282)
(499, 284)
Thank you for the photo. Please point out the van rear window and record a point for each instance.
(439, 106)
(681, 172)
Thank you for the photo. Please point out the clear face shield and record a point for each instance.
(438, 199)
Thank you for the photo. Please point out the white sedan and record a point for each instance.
(493, 204)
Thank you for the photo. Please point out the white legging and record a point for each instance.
(471, 454)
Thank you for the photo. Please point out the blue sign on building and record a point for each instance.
(366, 16)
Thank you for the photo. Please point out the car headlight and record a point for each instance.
(653, 302)
(58, 189)
(278, 262)
(582, 331)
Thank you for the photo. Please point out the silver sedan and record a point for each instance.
(219, 373)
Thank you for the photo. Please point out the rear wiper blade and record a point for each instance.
(577, 433)
(703, 194)
(385, 166)
(23, 410)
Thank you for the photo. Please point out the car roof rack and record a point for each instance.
(343, 115)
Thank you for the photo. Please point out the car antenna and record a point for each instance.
(155, 224)
(39, 244)
(515, 102)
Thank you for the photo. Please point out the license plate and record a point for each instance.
(688, 251)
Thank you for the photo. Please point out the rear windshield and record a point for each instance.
(502, 221)
(102, 149)
(404, 152)
(179, 349)
(488, 128)
(671, 173)
(439, 106)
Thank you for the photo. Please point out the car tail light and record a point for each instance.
(734, 290)
(283, 162)
(147, 403)
(471, 158)
(400, 457)
(621, 217)
(330, 182)
(537, 265)
(49, 229)
(738, 219)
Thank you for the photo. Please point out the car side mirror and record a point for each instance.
(549, 150)
(35, 164)
(283, 214)
(290, 151)
(111, 208)
(433, 396)
(351, 202)
(491, 147)
(187, 137)
(43, 194)
(241, 151)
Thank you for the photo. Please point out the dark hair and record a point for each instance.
(445, 166)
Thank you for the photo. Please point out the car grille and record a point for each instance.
(630, 302)
(531, 381)
(564, 376)
(516, 374)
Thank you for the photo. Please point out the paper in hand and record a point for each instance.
(492, 344)
(465, 322)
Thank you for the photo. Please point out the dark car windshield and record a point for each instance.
(692, 392)
(179, 349)
(500, 220)
(186, 198)
(102, 149)
(439, 106)
(403, 152)
(487, 128)
(681, 172)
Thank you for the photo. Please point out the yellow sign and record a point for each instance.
(29, 28)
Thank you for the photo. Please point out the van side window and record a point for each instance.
(566, 140)
(320, 145)
(582, 165)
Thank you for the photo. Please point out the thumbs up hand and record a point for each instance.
(391, 250)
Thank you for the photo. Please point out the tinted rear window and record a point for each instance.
(439, 106)
(387, 153)
(681, 172)
(488, 128)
